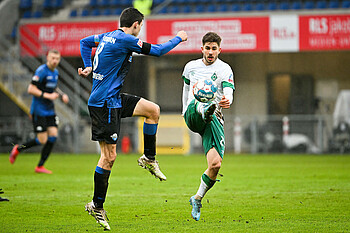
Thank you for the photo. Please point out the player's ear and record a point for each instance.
(134, 25)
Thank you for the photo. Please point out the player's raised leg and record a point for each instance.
(151, 112)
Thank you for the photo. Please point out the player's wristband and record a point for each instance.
(42, 95)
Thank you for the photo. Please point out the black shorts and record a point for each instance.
(40, 123)
(105, 122)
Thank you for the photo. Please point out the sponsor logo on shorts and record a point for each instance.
(114, 136)
(39, 128)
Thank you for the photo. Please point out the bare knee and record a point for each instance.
(215, 166)
(153, 113)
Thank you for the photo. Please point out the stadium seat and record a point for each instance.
(247, 6)
(272, 6)
(235, 7)
(73, 13)
(321, 4)
(260, 6)
(163, 10)
(223, 7)
(173, 9)
(25, 4)
(199, 8)
(345, 4)
(95, 12)
(85, 12)
(37, 14)
(27, 14)
(106, 12)
(284, 6)
(212, 8)
(117, 11)
(103, 3)
(186, 9)
(296, 6)
(47, 4)
(333, 4)
(93, 3)
(309, 5)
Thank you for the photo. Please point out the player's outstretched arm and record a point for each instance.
(161, 49)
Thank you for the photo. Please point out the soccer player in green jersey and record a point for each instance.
(207, 118)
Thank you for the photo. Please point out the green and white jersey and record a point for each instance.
(220, 72)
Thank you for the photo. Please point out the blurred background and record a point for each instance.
(290, 58)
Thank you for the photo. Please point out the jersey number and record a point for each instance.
(98, 51)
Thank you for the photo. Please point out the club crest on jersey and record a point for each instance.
(140, 43)
(114, 136)
(214, 77)
(230, 79)
(35, 78)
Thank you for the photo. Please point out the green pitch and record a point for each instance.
(257, 193)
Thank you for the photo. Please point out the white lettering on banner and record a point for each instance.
(318, 25)
(284, 33)
(76, 33)
(47, 33)
(229, 30)
(339, 26)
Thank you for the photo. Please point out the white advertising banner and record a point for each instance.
(284, 33)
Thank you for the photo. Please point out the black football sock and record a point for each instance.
(45, 152)
(149, 136)
(28, 145)
(101, 178)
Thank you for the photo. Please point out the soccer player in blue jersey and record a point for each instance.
(107, 105)
(44, 90)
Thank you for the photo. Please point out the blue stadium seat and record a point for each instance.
(73, 13)
(321, 4)
(103, 3)
(163, 11)
(175, 9)
(333, 4)
(296, 6)
(57, 4)
(260, 6)
(284, 6)
(25, 4)
(157, 2)
(117, 11)
(272, 6)
(95, 12)
(212, 8)
(114, 3)
(37, 14)
(223, 7)
(47, 4)
(247, 6)
(93, 3)
(199, 8)
(85, 12)
(186, 9)
(309, 5)
(345, 4)
(235, 7)
(107, 12)
(27, 14)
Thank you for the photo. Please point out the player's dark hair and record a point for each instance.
(129, 16)
(211, 37)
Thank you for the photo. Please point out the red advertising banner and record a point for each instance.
(64, 37)
(238, 34)
(325, 32)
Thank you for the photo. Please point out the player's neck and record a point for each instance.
(50, 67)
(126, 30)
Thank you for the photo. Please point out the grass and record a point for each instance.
(258, 193)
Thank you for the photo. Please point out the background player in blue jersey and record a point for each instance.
(44, 90)
(107, 105)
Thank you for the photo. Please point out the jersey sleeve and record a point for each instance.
(185, 75)
(39, 76)
(138, 46)
(86, 46)
(228, 78)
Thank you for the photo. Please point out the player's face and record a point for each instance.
(53, 59)
(137, 28)
(211, 51)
